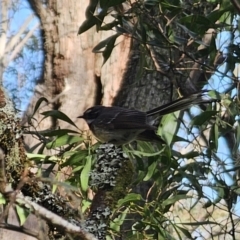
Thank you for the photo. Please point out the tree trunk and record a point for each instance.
(73, 78)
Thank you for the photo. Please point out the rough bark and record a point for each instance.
(73, 78)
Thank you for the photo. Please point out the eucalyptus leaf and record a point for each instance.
(59, 115)
(131, 197)
(174, 199)
(84, 177)
(76, 158)
(150, 171)
(64, 140)
(22, 214)
(169, 126)
(38, 103)
(203, 118)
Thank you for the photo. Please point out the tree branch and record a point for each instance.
(53, 218)
(15, 39)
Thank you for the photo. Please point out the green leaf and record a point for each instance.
(213, 141)
(237, 138)
(91, 20)
(77, 169)
(185, 232)
(200, 223)
(42, 158)
(108, 45)
(169, 127)
(196, 19)
(180, 139)
(108, 50)
(22, 214)
(59, 115)
(214, 94)
(145, 154)
(208, 204)
(118, 221)
(91, 8)
(195, 22)
(189, 32)
(180, 40)
(58, 132)
(191, 154)
(131, 197)
(169, 192)
(151, 170)
(202, 118)
(109, 26)
(84, 177)
(85, 205)
(38, 103)
(174, 199)
(76, 159)
(216, 15)
(2, 199)
(103, 44)
(87, 24)
(121, 30)
(64, 140)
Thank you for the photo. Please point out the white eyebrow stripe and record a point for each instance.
(114, 117)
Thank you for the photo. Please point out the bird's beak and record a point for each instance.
(80, 116)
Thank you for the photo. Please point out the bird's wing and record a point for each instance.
(122, 118)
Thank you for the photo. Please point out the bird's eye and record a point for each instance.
(92, 113)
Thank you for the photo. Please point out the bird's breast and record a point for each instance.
(115, 136)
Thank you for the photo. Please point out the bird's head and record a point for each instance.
(91, 114)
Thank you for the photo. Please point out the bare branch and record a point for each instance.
(20, 46)
(19, 229)
(53, 218)
(16, 38)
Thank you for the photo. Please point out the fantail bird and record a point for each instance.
(120, 125)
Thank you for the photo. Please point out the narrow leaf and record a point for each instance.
(108, 50)
(214, 137)
(76, 158)
(169, 127)
(22, 214)
(185, 232)
(90, 18)
(84, 177)
(103, 44)
(58, 132)
(174, 199)
(202, 118)
(59, 115)
(109, 26)
(38, 103)
(2, 199)
(131, 197)
(151, 170)
(87, 24)
(64, 140)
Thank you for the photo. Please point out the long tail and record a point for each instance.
(181, 104)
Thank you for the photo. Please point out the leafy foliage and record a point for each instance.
(190, 181)
(183, 179)
(175, 179)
